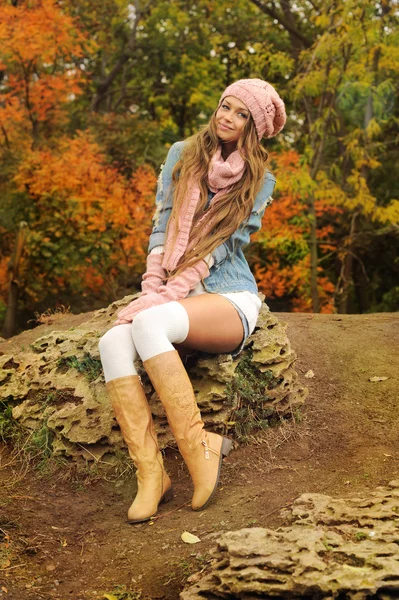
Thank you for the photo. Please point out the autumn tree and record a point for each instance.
(346, 65)
(89, 224)
(280, 253)
(86, 225)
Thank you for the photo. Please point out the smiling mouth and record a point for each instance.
(224, 126)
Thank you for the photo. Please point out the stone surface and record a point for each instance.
(333, 548)
(57, 383)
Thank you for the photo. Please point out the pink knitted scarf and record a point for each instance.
(222, 175)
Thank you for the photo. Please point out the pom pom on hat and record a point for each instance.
(265, 105)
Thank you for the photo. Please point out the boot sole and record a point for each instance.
(167, 496)
(224, 451)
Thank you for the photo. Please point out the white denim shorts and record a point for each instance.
(247, 305)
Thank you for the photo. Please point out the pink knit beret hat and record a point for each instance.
(265, 105)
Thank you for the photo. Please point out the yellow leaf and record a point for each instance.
(189, 538)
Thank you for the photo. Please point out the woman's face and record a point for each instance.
(231, 118)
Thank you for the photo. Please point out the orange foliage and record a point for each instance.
(94, 281)
(107, 218)
(287, 161)
(38, 47)
(87, 223)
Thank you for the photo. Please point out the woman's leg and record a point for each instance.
(154, 332)
(133, 414)
(214, 324)
(208, 322)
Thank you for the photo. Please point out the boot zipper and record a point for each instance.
(206, 449)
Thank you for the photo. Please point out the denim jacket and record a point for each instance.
(230, 271)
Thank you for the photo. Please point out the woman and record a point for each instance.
(197, 291)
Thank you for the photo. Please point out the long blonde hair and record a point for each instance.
(235, 206)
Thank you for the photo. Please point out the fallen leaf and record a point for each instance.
(5, 563)
(4, 589)
(389, 455)
(309, 374)
(189, 538)
(109, 597)
(378, 378)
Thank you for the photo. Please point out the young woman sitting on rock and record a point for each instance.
(197, 292)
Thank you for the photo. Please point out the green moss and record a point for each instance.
(34, 446)
(35, 349)
(248, 392)
(121, 593)
(9, 428)
(91, 367)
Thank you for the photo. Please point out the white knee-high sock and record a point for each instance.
(155, 330)
(117, 352)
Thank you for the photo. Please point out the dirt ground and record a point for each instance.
(68, 539)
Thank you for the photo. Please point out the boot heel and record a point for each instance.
(227, 445)
(168, 495)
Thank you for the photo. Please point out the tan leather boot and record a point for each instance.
(135, 420)
(202, 451)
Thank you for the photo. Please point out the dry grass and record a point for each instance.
(49, 316)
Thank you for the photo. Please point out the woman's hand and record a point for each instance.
(127, 314)
(180, 286)
(175, 289)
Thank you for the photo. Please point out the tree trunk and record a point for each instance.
(13, 268)
(313, 256)
(345, 283)
(348, 261)
(361, 287)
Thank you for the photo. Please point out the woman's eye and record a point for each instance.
(244, 115)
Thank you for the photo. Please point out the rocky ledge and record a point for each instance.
(333, 549)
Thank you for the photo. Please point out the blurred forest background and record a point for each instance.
(93, 93)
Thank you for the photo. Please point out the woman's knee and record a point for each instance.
(114, 337)
(145, 322)
(169, 321)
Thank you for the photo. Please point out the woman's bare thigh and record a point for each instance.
(215, 325)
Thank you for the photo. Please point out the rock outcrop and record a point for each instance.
(57, 384)
(334, 548)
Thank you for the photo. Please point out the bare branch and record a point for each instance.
(288, 24)
(127, 53)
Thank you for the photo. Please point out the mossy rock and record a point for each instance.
(58, 383)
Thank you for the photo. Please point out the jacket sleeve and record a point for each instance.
(241, 237)
(163, 199)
